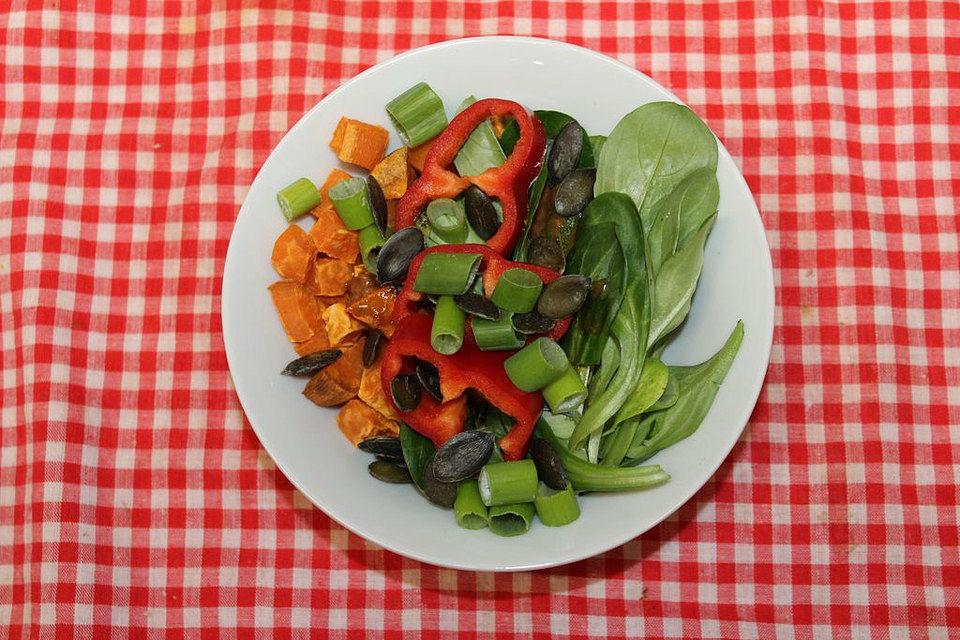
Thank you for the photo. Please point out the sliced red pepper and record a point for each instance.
(493, 266)
(468, 368)
(508, 182)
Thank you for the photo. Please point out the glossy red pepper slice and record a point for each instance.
(508, 182)
(492, 265)
(468, 368)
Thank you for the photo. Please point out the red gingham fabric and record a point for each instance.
(135, 499)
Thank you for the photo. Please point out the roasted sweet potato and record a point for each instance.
(417, 155)
(359, 421)
(330, 276)
(391, 173)
(298, 310)
(333, 239)
(371, 392)
(293, 254)
(341, 326)
(338, 382)
(376, 309)
(359, 143)
(318, 342)
(361, 284)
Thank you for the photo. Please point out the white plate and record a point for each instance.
(303, 439)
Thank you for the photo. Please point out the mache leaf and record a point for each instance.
(416, 450)
(676, 283)
(650, 151)
(679, 215)
(697, 387)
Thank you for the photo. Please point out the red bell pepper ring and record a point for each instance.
(508, 182)
(468, 368)
(492, 264)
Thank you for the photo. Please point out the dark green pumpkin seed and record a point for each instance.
(389, 458)
(531, 323)
(378, 204)
(371, 348)
(442, 494)
(405, 391)
(549, 467)
(563, 296)
(565, 152)
(546, 252)
(429, 377)
(383, 446)
(462, 456)
(481, 214)
(476, 305)
(311, 363)
(389, 472)
(575, 192)
(397, 253)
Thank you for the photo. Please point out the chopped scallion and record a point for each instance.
(352, 202)
(298, 198)
(447, 274)
(536, 365)
(418, 114)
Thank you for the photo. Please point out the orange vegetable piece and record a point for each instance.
(348, 368)
(340, 324)
(330, 276)
(333, 239)
(392, 213)
(361, 284)
(359, 143)
(371, 392)
(318, 342)
(376, 309)
(418, 154)
(336, 142)
(391, 173)
(359, 421)
(293, 254)
(335, 176)
(324, 391)
(298, 310)
(499, 124)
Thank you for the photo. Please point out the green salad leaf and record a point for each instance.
(697, 387)
(650, 151)
(417, 449)
(481, 151)
(681, 213)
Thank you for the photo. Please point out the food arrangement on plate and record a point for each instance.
(488, 307)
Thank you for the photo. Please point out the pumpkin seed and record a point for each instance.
(575, 192)
(546, 252)
(442, 494)
(462, 456)
(429, 377)
(371, 348)
(477, 305)
(397, 253)
(387, 446)
(378, 204)
(311, 363)
(391, 472)
(563, 296)
(405, 391)
(481, 214)
(389, 458)
(549, 467)
(565, 152)
(531, 323)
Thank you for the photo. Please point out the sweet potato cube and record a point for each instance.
(340, 324)
(418, 155)
(333, 239)
(318, 342)
(376, 309)
(371, 392)
(330, 276)
(391, 173)
(298, 310)
(293, 254)
(359, 143)
(359, 421)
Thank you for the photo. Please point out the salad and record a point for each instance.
(489, 305)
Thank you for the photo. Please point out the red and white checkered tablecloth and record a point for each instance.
(134, 497)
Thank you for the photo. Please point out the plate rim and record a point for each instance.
(757, 380)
